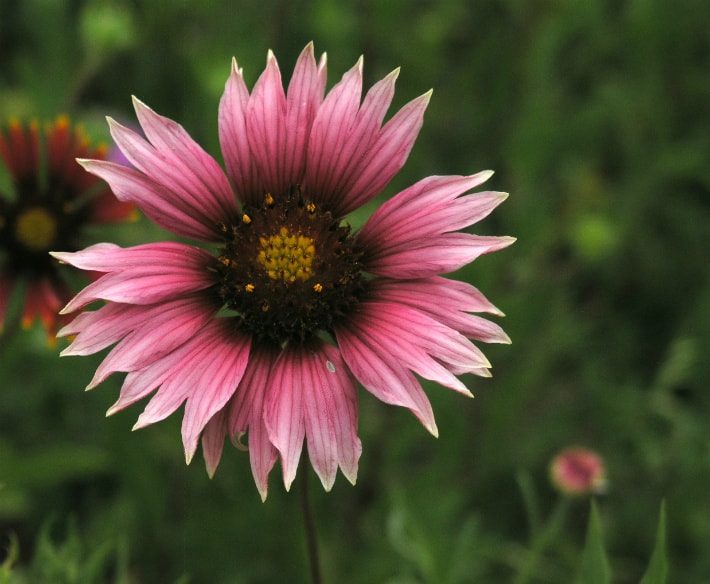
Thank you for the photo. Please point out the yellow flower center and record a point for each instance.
(36, 229)
(287, 256)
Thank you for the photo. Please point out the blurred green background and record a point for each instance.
(595, 116)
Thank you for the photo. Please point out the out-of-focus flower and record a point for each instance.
(267, 328)
(578, 471)
(115, 155)
(50, 201)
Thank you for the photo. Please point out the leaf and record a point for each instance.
(657, 571)
(595, 565)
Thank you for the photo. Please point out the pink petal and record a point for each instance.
(305, 94)
(266, 127)
(246, 413)
(139, 384)
(107, 257)
(359, 138)
(422, 258)
(205, 371)
(429, 207)
(143, 275)
(234, 141)
(138, 287)
(176, 374)
(412, 356)
(331, 126)
(284, 411)
(161, 205)
(430, 298)
(341, 391)
(100, 328)
(380, 373)
(437, 292)
(385, 157)
(311, 392)
(413, 326)
(319, 408)
(185, 165)
(213, 442)
(161, 332)
(220, 373)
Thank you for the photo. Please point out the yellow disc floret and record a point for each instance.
(287, 256)
(36, 229)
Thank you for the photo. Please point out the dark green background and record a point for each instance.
(596, 117)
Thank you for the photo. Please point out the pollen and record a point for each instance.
(246, 219)
(287, 256)
(36, 229)
(249, 288)
(318, 287)
(269, 199)
(311, 208)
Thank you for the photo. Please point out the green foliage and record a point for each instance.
(67, 561)
(10, 558)
(657, 571)
(595, 565)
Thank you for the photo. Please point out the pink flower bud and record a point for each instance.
(578, 471)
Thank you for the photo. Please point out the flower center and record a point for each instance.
(287, 256)
(36, 229)
(288, 269)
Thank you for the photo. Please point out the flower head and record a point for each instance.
(50, 203)
(267, 327)
(578, 471)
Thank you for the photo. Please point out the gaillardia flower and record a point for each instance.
(267, 328)
(578, 471)
(49, 203)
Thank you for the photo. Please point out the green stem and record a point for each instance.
(309, 526)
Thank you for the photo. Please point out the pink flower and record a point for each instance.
(267, 328)
(54, 201)
(578, 471)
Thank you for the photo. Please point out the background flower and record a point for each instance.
(46, 204)
(578, 471)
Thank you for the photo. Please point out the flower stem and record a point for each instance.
(309, 526)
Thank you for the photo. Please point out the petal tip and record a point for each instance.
(57, 255)
(84, 162)
(137, 103)
(140, 423)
